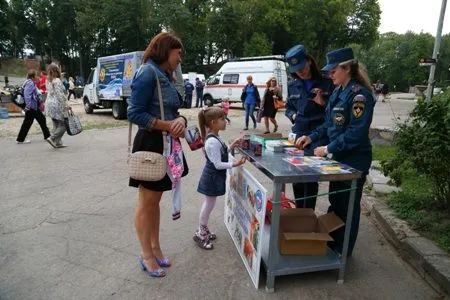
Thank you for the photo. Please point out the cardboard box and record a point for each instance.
(263, 138)
(303, 233)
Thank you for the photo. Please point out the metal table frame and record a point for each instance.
(277, 264)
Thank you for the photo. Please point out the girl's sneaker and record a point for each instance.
(202, 240)
(212, 236)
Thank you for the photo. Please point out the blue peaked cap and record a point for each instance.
(336, 57)
(296, 58)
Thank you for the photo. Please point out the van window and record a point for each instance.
(215, 79)
(230, 78)
(91, 76)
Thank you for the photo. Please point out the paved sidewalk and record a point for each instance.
(66, 232)
(395, 109)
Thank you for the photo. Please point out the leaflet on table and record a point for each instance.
(320, 164)
(296, 161)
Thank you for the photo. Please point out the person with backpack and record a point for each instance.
(32, 112)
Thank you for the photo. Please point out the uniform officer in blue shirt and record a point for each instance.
(307, 98)
(348, 117)
(188, 90)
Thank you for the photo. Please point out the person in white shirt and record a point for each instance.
(214, 175)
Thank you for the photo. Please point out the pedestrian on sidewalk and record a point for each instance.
(41, 85)
(226, 108)
(71, 89)
(251, 99)
(56, 106)
(307, 98)
(188, 90)
(347, 122)
(199, 85)
(214, 175)
(272, 94)
(32, 111)
(161, 58)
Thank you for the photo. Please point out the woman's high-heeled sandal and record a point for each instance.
(158, 273)
(163, 262)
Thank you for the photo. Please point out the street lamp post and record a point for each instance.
(437, 44)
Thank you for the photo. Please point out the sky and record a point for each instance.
(414, 15)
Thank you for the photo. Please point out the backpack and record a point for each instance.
(17, 96)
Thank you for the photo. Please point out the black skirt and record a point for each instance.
(152, 141)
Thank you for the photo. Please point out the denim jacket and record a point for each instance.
(143, 106)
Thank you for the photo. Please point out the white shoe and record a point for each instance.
(51, 142)
(24, 142)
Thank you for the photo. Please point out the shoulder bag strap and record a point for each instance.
(161, 108)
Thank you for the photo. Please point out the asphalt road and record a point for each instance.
(66, 232)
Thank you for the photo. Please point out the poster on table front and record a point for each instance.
(245, 209)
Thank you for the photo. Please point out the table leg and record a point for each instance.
(351, 205)
(273, 239)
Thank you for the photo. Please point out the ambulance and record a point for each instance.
(231, 78)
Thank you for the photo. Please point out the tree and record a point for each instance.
(395, 59)
(258, 45)
(4, 34)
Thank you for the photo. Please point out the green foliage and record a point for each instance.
(423, 145)
(414, 204)
(383, 152)
(394, 58)
(258, 45)
(76, 32)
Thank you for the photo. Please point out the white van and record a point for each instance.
(109, 84)
(232, 77)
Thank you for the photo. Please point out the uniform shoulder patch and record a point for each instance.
(359, 98)
(355, 88)
(358, 109)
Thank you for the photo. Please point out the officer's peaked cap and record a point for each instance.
(338, 57)
(296, 58)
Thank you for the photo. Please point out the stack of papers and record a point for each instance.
(274, 146)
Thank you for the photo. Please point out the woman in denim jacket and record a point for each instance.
(161, 58)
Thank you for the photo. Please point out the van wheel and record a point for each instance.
(119, 110)
(208, 101)
(88, 108)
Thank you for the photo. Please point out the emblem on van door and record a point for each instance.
(230, 92)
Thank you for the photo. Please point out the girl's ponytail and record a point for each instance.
(202, 123)
(206, 115)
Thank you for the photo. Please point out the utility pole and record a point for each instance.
(437, 44)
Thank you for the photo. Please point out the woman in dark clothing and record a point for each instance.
(268, 106)
(161, 59)
(307, 98)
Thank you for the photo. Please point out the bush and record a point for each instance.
(423, 146)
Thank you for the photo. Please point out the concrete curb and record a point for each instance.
(431, 263)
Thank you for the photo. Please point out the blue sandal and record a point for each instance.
(164, 262)
(158, 273)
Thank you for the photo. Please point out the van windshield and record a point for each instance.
(215, 79)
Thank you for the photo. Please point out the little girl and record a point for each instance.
(226, 108)
(212, 181)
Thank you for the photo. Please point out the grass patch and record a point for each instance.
(105, 125)
(383, 152)
(416, 205)
(13, 67)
